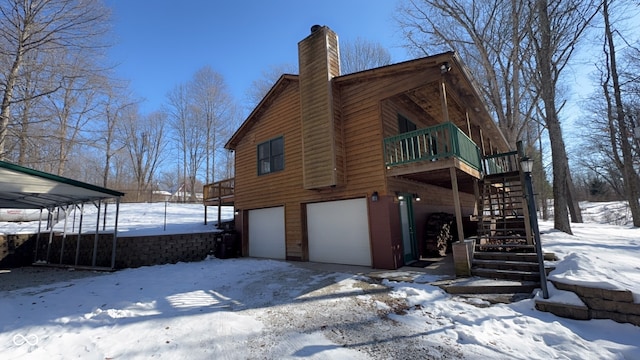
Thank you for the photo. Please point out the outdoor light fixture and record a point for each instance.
(445, 68)
(374, 196)
(400, 196)
(417, 197)
(526, 164)
(237, 212)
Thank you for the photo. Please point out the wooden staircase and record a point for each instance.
(504, 266)
(503, 215)
(504, 247)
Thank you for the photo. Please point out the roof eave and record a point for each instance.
(266, 100)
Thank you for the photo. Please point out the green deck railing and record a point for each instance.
(430, 144)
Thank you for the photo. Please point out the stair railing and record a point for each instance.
(500, 163)
(533, 219)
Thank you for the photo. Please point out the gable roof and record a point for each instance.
(273, 93)
(431, 63)
(459, 72)
(25, 188)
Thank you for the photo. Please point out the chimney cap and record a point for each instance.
(315, 28)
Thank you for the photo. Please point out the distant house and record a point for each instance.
(346, 168)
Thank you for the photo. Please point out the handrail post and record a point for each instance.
(533, 219)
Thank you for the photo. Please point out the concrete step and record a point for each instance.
(506, 265)
(506, 247)
(513, 256)
(506, 274)
(477, 285)
(506, 256)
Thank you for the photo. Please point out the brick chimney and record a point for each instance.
(318, 63)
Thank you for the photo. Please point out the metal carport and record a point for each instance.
(25, 188)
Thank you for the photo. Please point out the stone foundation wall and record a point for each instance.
(20, 250)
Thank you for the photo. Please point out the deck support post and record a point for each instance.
(484, 151)
(456, 203)
(443, 100)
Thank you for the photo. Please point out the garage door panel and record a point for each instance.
(338, 232)
(266, 233)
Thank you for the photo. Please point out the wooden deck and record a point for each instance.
(219, 193)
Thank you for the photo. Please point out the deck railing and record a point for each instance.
(501, 163)
(219, 189)
(430, 144)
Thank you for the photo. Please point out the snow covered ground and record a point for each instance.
(264, 309)
(133, 219)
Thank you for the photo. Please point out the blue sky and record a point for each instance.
(162, 43)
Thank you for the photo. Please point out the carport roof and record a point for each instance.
(24, 188)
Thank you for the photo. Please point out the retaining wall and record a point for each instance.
(617, 305)
(19, 250)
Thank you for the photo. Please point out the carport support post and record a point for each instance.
(456, 203)
(95, 239)
(64, 233)
(50, 223)
(115, 236)
(79, 232)
(35, 255)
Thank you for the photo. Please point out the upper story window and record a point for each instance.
(405, 125)
(271, 156)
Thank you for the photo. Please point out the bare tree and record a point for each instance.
(25, 130)
(113, 105)
(620, 133)
(188, 126)
(72, 108)
(510, 44)
(213, 103)
(145, 145)
(360, 54)
(555, 34)
(32, 28)
(491, 37)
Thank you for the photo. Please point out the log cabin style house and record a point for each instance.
(346, 168)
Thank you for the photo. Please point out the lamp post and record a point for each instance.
(526, 165)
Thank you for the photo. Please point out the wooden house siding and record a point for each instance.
(280, 119)
(361, 128)
(363, 142)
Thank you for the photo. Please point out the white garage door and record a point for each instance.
(266, 233)
(338, 232)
